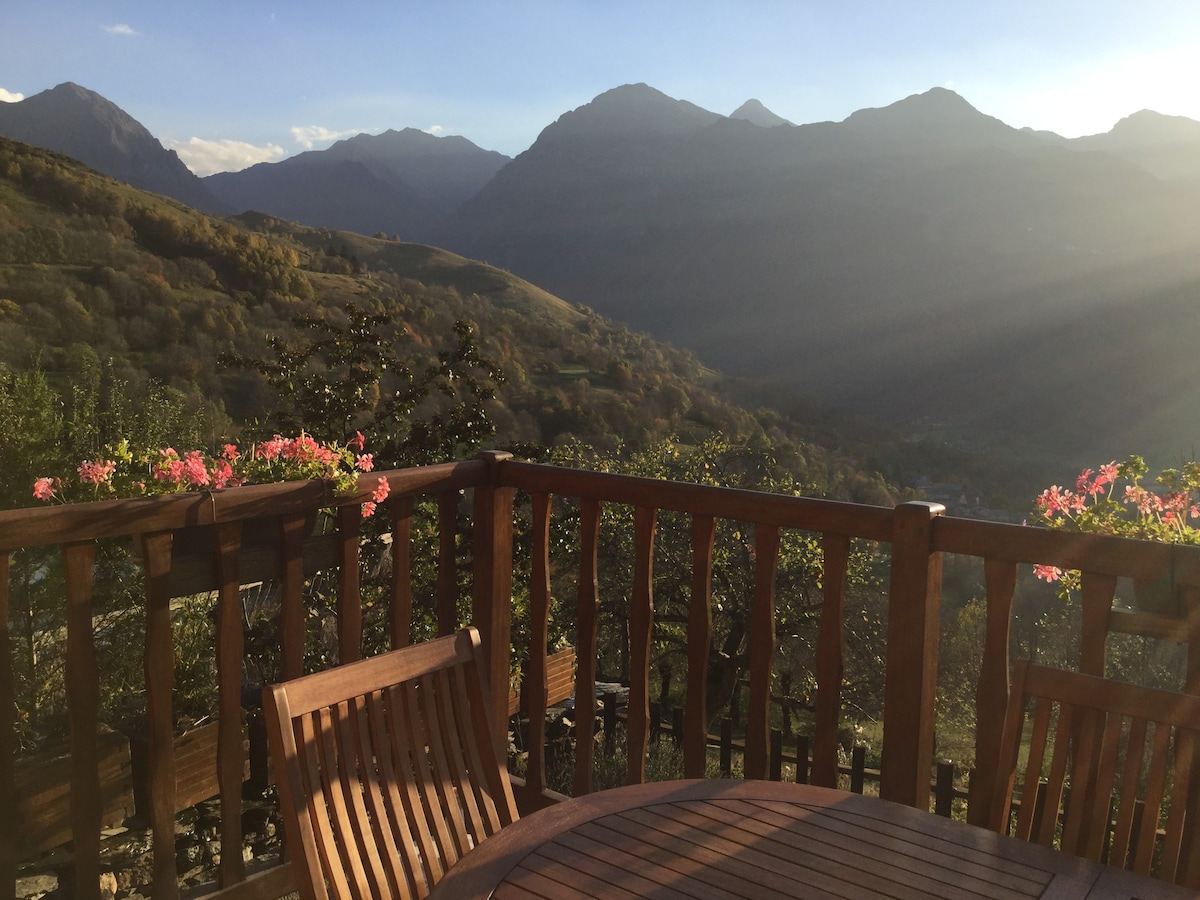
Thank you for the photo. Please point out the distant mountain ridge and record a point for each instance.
(398, 182)
(82, 124)
(922, 263)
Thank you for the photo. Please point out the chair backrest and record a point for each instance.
(1110, 771)
(387, 769)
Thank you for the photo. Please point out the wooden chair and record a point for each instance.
(1110, 772)
(387, 769)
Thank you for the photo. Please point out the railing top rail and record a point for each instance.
(1098, 553)
(808, 513)
(113, 518)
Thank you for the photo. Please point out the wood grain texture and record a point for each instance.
(753, 839)
(390, 769)
(1124, 753)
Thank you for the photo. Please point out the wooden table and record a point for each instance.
(760, 839)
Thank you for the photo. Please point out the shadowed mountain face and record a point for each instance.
(82, 124)
(399, 182)
(921, 263)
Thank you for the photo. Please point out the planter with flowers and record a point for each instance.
(122, 472)
(1113, 500)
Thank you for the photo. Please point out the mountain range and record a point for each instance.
(923, 264)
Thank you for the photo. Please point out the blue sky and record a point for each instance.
(227, 84)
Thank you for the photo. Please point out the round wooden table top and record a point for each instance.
(761, 839)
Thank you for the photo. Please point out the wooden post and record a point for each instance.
(762, 652)
(726, 748)
(641, 636)
(160, 678)
(835, 550)
(991, 692)
(858, 768)
(943, 795)
(801, 759)
(776, 773)
(230, 653)
(539, 624)
(447, 571)
(350, 617)
(913, 620)
(699, 638)
(292, 615)
(83, 703)
(8, 714)
(491, 586)
(401, 509)
(587, 609)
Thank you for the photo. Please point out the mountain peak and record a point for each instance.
(937, 118)
(82, 124)
(1149, 127)
(755, 113)
(934, 105)
(634, 109)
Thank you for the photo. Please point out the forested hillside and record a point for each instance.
(125, 300)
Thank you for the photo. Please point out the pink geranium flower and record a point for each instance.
(43, 488)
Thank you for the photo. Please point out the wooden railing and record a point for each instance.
(918, 534)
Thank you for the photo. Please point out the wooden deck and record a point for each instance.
(914, 535)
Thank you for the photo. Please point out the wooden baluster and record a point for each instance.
(447, 574)
(349, 519)
(991, 692)
(292, 615)
(858, 768)
(912, 650)
(587, 608)
(230, 652)
(641, 627)
(83, 706)
(539, 628)
(762, 651)
(491, 586)
(943, 795)
(1096, 599)
(726, 751)
(830, 663)
(401, 509)
(160, 677)
(699, 643)
(8, 749)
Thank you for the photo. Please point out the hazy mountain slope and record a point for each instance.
(80, 123)
(1166, 146)
(908, 262)
(97, 276)
(399, 182)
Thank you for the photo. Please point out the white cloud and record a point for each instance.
(10, 97)
(435, 130)
(209, 157)
(308, 135)
(120, 29)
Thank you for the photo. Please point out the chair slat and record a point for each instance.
(1173, 839)
(365, 748)
(333, 781)
(1122, 836)
(391, 769)
(1122, 760)
(320, 836)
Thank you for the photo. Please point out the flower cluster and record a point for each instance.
(123, 473)
(1097, 506)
